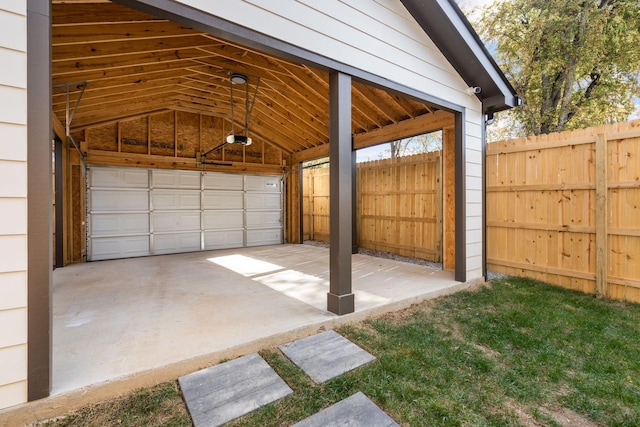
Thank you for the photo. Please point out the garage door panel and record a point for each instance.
(263, 219)
(223, 181)
(175, 199)
(223, 200)
(119, 247)
(120, 223)
(222, 220)
(137, 212)
(264, 237)
(176, 179)
(119, 178)
(262, 201)
(176, 242)
(262, 183)
(223, 239)
(176, 221)
(119, 200)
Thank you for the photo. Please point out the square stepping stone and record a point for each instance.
(355, 411)
(326, 355)
(221, 393)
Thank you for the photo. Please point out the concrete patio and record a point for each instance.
(123, 324)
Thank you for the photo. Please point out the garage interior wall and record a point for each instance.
(13, 203)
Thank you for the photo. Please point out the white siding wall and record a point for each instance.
(379, 36)
(13, 203)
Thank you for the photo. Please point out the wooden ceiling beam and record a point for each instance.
(58, 128)
(230, 59)
(115, 99)
(124, 85)
(368, 109)
(317, 82)
(386, 111)
(404, 105)
(426, 123)
(106, 64)
(136, 64)
(310, 130)
(111, 116)
(267, 80)
(133, 70)
(102, 49)
(117, 32)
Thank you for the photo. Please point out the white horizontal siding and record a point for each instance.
(13, 203)
(474, 178)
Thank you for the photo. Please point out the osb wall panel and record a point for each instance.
(174, 139)
(134, 135)
(188, 131)
(542, 213)
(213, 135)
(103, 137)
(162, 133)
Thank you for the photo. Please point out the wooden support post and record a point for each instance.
(439, 209)
(602, 234)
(354, 201)
(311, 204)
(448, 199)
(340, 299)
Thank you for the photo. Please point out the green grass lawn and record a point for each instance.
(517, 352)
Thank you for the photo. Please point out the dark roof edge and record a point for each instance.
(452, 33)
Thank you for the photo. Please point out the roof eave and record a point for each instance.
(449, 29)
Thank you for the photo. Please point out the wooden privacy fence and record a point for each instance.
(565, 208)
(399, 205)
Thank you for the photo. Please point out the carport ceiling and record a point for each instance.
(135, 64)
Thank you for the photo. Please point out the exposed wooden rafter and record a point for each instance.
(135, 64)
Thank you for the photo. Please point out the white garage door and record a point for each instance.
(138, 212)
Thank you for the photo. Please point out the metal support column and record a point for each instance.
(59, 213)
(340, 299)
(39, 216)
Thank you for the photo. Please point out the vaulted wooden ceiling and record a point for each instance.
(135, 64)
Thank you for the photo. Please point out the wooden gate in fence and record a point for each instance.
(565, 208)
(399, 205)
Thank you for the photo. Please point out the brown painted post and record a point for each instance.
(340, 299)
(39, 216)
(602, 234)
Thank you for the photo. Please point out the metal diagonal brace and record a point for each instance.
(69, 113)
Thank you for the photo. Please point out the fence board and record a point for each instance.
(542, 219)
(399, 205)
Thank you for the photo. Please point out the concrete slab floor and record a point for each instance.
(123, 324)
(115, 318)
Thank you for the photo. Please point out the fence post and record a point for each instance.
(311, 184)
(602, 234)
(439, 207)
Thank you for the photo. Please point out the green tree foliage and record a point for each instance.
(574, 63)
